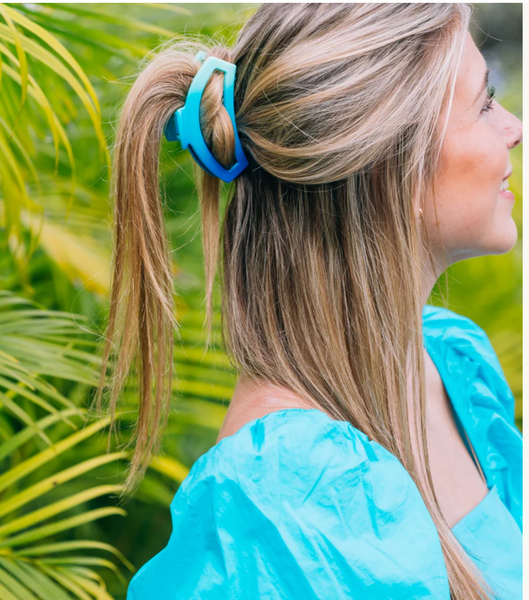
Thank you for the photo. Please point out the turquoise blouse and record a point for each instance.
(298, 505)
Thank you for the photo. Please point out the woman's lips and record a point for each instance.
(507, 194)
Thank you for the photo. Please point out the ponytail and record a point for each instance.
(141, 320)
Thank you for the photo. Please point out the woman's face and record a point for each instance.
(474, 217)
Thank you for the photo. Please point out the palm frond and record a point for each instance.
(29, 568)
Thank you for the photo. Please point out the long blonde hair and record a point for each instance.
(338, 108)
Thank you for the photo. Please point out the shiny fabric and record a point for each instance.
(297, 505)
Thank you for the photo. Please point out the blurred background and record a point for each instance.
(65, 71)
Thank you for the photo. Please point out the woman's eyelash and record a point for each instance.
(488, 106)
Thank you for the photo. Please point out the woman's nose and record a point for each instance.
(514, 131)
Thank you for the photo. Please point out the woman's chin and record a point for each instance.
(500, 244)
(503, 243)
(509, 237)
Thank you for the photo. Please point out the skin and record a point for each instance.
(474, 220)
(465, 218)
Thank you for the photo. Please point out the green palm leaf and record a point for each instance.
(30, 569)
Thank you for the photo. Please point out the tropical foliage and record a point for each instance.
(64, 70)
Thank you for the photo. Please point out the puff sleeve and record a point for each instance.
(470, 357)
(296, 505)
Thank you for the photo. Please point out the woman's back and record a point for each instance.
(298, 505)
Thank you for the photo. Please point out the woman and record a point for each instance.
(370, 449)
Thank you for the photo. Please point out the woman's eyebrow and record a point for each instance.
(483, 86)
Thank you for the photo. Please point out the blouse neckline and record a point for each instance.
(461, 415)
(474, 518)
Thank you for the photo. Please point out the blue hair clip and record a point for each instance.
(184, 124)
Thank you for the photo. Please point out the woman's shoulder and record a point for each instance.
(283, 440)
(296, 504)
(445, 324)
(464, 348)
(293, 456)
(455, 331)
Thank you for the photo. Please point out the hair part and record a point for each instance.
(341, 112)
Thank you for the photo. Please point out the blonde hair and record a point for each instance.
(339, 109)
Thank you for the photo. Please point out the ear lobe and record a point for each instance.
(417, 208)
